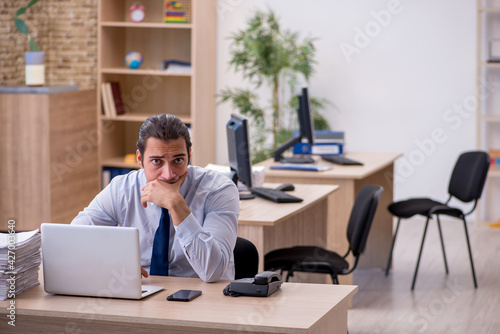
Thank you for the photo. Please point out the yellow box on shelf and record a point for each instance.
(130, 159)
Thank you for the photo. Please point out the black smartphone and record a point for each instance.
(184, 295)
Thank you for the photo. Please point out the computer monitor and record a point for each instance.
(306, 132)
(238, 146)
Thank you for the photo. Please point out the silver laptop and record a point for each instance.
(98, 261)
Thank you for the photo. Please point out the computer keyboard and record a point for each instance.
(339, 160)
(274, 195)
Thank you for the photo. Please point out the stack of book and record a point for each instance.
(177, 66)
(111, 99)
(19, 262)
(494, 157)
(174, 13)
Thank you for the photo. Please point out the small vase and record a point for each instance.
(35, 69)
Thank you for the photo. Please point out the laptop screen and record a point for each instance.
(100, 261)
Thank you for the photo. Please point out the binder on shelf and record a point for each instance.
(325, 143)
(108, 173)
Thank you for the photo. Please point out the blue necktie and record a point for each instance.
(159, 258)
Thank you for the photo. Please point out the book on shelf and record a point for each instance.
(111, 98)
(109, 93)
(117, 97)
(105, 100)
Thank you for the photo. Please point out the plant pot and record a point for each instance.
(35, 69)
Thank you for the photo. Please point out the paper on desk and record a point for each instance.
(20, 260)
(21, 238)
(258, 173)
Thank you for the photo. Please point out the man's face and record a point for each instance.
(164, 160)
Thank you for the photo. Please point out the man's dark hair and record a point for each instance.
(164, 127)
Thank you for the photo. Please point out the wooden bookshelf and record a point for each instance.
(488, 102)
(150, 90)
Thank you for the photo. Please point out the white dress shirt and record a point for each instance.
(201, 246)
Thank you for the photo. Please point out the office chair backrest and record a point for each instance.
(246, 259)
(469, 175)
(361, 217)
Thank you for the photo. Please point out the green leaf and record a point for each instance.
(20, 11)
(21, 26)
(31, 3)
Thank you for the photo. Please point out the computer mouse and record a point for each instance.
(286, 187)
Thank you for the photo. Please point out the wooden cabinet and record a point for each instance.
(149, 89)
(49, 142)
(488, 100)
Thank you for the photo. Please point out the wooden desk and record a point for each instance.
(272, 225)
(297, 308)
(378, 169)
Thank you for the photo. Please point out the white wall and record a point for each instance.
(409, 89)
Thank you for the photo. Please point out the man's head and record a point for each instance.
(163, 148)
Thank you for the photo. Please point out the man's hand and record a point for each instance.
(144, 273)
(166, 195)
(161, 193)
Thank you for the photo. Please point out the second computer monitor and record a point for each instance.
(305, 118)
(238, 146)
(306, 131)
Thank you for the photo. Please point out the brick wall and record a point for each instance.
(66, 30)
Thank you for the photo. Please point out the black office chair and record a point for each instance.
(315, 259)
(246, 259)
(466, 184)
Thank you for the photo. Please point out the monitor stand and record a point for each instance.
(244, 196)
(278, 153)
(297, 160)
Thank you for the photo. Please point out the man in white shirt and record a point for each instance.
(203, 204)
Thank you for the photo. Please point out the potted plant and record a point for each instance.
(35, 69)
(268, 55)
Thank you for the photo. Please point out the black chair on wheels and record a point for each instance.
(246, 259)
(466, 184)
(315, 259)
